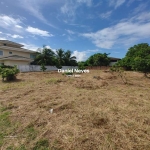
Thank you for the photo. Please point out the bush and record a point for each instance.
(43, 68)
(4, 66)
(9, 73)
(69, 73)
(120, 72)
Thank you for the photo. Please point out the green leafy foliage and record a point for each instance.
(68, 73)
(141, 64)
(98, 60)
(82, 65)
(43, 68)
(69, 59)
(64, 58)
(48, 57)
(45, 57)
(137, 58)
(5, 66)
(9, 73)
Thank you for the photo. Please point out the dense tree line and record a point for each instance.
(46, 56)
(137, 58)
(98, 59)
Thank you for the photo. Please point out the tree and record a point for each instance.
(43, 68)
(81, 65)
(137, 58)
(98, 60)
(45, 57)
(59, 58)
(69, 60)
(9, 73)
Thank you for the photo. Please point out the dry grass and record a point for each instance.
(94, 112)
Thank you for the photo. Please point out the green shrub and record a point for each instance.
(43, 68)
(9, 73)
(5, 66)
(68, 73)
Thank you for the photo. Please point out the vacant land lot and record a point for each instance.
(94, 112)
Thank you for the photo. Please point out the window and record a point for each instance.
(10, 52)
(4, 44)
(1, 53)
(32, 56)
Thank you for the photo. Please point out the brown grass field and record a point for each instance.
(89, 113)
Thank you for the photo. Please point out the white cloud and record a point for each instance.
(69, 8)
(87, 2)
(7, 21)
(140, 8)
(35, 6)
(142, 17)
(18, 26)
(11, 24)
(130, 2)
(30, 46)
(116, 3)
(9, 36)
(81, 56)
(106, 15)
(1, 38)
(37, 31)
(124, 32)
(98, 4)
(70, 31)
(17, 36)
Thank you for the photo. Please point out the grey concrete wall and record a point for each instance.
(34, 68)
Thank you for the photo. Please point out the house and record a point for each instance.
(113, 60)
(12, 53)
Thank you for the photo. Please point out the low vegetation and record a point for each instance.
(120, 72)
(137, 58)
(96, 111)
(8, 73)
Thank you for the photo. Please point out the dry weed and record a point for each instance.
(88, 113)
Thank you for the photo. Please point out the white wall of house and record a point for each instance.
(6, 53)
(15, 62)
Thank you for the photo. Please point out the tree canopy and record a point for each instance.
(137, 58)
(98, 60)
(46, 56)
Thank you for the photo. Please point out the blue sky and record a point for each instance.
(83, 26)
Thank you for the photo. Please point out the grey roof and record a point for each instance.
(113, 58)
(10, 42)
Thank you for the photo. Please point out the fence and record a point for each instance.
(34, 68)
(98, 67)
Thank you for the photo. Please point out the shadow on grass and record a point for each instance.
(12, 81)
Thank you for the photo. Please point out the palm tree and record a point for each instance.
(46, 57)
(60, 58)
(69, 60)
